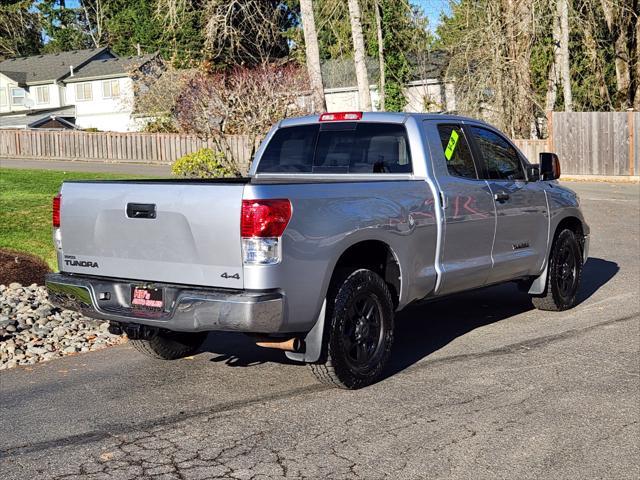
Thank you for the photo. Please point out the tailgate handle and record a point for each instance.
(141, 210)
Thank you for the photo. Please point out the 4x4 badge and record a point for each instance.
(226, 275)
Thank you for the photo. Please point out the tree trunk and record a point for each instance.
(636, 100)
(359, 56)
(563, 54)
(552, 80)
(623, 72)
(380, 56)
(313, 55)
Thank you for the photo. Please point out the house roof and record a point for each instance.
(48, 68)
(109, 67)
(32, 118)
(341, 72)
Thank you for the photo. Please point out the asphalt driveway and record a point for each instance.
(481, 386)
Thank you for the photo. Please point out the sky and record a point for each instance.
(433, 9)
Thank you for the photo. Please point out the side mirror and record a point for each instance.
(549, 166)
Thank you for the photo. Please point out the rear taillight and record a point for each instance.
(337, 116)
(264, 218)
(55, 217)
(262, 224)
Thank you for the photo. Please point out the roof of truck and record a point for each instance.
(388, 117)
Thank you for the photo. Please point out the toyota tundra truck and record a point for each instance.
(343, 220)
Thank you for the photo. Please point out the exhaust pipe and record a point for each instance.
(291, 345)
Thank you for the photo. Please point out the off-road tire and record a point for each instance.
(170, 345)
(346, 296)
(565, 259)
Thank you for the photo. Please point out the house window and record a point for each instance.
(110, 89)
(3, 97)
(83, 92)
(17, 96)
(42, 94)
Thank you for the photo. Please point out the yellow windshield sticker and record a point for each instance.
(451, 146)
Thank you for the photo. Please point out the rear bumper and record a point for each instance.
(187, 309)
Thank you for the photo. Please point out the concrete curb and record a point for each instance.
(601, 178)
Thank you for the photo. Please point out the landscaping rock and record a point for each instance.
(32, 330)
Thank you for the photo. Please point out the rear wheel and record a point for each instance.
(563, 275)
(168, 345)
(360, 322)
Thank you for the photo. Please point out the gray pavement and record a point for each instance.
(480, 386)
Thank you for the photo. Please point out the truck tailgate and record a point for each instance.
(177, 232)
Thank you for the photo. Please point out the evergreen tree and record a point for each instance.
(64, 27)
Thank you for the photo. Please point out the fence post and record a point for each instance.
(632, 139)
(550, 131)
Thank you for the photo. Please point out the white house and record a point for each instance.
(77, 89)
(428, 91)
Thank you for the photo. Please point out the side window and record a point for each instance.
(501, 159)
(457, 152)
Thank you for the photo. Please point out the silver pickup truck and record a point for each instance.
(344, 219)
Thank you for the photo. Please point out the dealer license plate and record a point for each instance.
(149, 299)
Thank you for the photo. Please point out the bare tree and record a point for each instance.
(245, 31)
(377, 8)
(313, 55)
(94, 17)
(563, 54)
(636, 103)
(20, 30)
(619, 17)
(359, 56)
(552, 80)
(240, 101)
(588, 23)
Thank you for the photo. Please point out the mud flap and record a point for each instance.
(539, 283)
(312, 341)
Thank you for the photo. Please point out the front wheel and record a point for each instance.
(360, 321)
(563, 274)
(168, 345)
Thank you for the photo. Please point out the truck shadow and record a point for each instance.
(422, 329)
(596, 273)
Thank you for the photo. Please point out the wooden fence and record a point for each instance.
(115, 147)
(596, 143)
(532, 148)
(593, 143)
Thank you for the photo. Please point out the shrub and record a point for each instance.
(205, 163)
(161, 125)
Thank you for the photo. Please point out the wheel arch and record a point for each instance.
(572, 222)
(377, 256)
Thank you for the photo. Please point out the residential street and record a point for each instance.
(481, 386)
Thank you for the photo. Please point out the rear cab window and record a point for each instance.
(341, 147)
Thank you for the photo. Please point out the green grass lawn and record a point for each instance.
(25, 208)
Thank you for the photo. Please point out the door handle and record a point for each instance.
(501, 197)
(141, 210)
